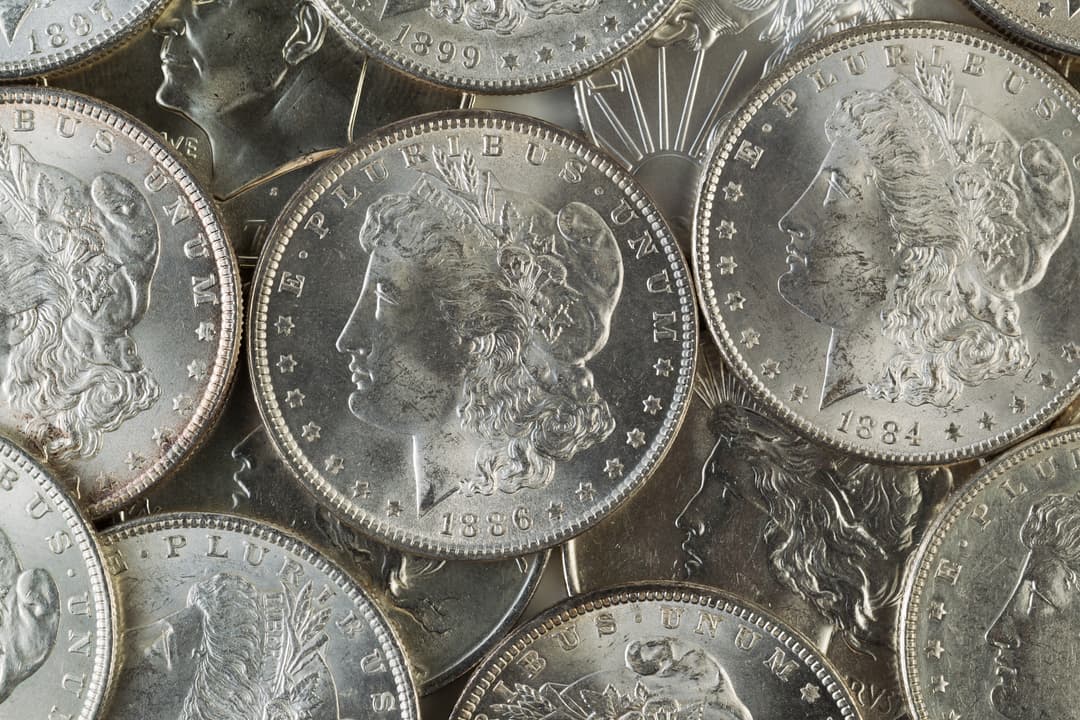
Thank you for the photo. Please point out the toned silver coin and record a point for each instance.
(57, 615)
(654, 651)
(988, 625)
(253, 95)
(815, 537)
(659, 109)
(498, 300)
(229, 618)
(899, 287)
(119, 297)
(41, 37)
(1051, 23)
(447, 614)
(515, 46)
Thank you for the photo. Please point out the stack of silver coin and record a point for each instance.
(331, 326)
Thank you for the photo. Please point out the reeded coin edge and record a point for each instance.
(1000, 16)
(487, 675)
(279, 537)
(228, 350)
(100, 686)
(918, 567)
(703, 275)
(355, 31)
(88, 51)
(321, 182)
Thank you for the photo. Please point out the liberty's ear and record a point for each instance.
(308, 36)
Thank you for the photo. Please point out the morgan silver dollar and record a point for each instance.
(227, 618)
(886, 244)
(1052, 23)
(679, 652)
(57, 616)
(990, 615)
(118, 292)
(480, 322)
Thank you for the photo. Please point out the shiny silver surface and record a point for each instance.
(886, 244)
(473, 335)
(1051, 23)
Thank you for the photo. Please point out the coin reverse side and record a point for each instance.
(886, 241)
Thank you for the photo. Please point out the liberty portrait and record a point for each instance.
(29, 619)
(1036, 634)
(477, 317)
(232, 651)
(661, 679)
(76, 262)
(923, 226)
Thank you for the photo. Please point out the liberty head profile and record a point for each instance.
(924, 225)
(477, 317)
(76, 262)
(29, 619)
(500, 18)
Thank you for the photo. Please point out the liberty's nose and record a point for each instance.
(355, 337)
(172, 23)
(1003, 633)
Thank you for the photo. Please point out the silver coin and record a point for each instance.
(42, 37)
(988, 624)
(515, 46)
(654, 651)
(1051, 23)
(815, 537)
(447, 614)
(229, 618)
(885, 244)
(253, 95)
(659, 109)
(57, 616)
(119, 297)
(483, 320)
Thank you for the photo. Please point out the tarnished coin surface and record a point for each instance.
(118, 292)
(814, 536)
(658, 110)
(1052, 23)
(988, 624)
(886, 245)
(514, 46)
(501, 302)
(446, 613)
(225, 618)
(672, 651)
(57, 616)
(41, 36)
(253, 95)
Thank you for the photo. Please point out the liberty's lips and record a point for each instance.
(794, 256)
(1006, 674)
(172, 59)
(361, 376)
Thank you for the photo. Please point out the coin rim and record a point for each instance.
(1010, 22)
(319, 185)
(707, 196)
(375, 619)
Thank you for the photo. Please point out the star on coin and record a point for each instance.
(555, 511)
(510, 61)
(294, 398)
(579, 42)
(1047, 379)
(196, 370)
(770, 369)
(938, 611)
(311, 432)
(181, 403)
(726, 230)
(652, 404)
(1018, 405)
(206, 331)
(798, 393)
(611, 23)
(286, 364)
(935, 650)
(1045, 9)
(986, 422)
(284, 325)
(750, 338)
(735, 301)
(393, 508)
(544, 54)
(810, 693)
(613, 468)
(1070, 352)
(162, 437)
(333, 465)
(733, 192)
(953, 431)
(663, 367)
(940, 684)
(727, 265)
(134, 461)
(635, 438)
(361, 489)
(585, 492)
(953, 715)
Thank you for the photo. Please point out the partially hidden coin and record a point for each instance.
(812, 535)
(42, 37)
(446, 613)
(1050, 23)
(668, 650)
(118, 292)
(224, 617)
(501, 302)
(885, 243)
(988, 625)
(57, 613)
(514, 46)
